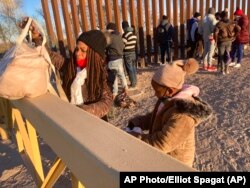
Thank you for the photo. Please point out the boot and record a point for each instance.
(226, 69)
(223, 68)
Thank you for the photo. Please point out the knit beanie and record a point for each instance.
(95, 39)
(238, 12)
(125, 24)
(173, 75)
(111, 26)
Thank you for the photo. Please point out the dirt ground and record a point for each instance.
(222, 142)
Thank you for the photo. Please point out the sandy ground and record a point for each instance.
(222, 143)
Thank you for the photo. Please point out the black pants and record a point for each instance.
(165, 48)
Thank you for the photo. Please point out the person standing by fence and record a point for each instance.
(115, 58)
(207, 32)
(225, 33)
(130, 40)
(193, 35)
(165, 36)
(241, 39)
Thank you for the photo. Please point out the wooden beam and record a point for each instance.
(51, 118)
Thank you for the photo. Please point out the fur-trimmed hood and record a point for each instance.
(197, 109)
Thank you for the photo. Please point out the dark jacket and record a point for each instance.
(115, 48)
(243, 36)
(226, 30)
(164, 33)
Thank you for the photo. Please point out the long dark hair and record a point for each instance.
(96, 75)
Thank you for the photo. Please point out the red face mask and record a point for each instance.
(82, 63)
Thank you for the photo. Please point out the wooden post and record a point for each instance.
(48, 21)
(92, 14)
(238, 3)
(232, 9)
(75, 18)
(132, 14)
(176, 42)
(141, 34)
(124, 10)
(58, 27)
(71, 42)
(182, 28)
(148, 33)
(161, 11)
(220, 6)
(169, 9)
(194, 6)
(244, 6)
(154, 12)
(214, 4)
(117, 15)
(226, 4)
(82, 5)
(207, 6)
(100, 15)
(189, 15)
(108, 11)
(202, 8)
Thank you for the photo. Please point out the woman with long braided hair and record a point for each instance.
(85, 77)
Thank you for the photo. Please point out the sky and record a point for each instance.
(30, 6)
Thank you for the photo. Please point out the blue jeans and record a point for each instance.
(209, 47)
(130, 64)
(116, 67)
(237, 51)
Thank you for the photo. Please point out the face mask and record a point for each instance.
(82, 63)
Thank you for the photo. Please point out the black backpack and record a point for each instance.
(162, 33)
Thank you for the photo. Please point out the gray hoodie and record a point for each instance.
(207, 27)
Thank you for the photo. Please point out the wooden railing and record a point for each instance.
(144, 16)
(94, 150)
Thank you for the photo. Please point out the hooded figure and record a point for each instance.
(176, 114)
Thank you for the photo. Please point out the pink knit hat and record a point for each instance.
(238, 12)
(173, 75)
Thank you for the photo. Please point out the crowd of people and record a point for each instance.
(99, 59)
(216, 33)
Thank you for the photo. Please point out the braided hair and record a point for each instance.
(96, 75)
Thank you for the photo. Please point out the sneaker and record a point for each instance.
(205, 68)
(132, 88)
(237, 65)
(211, 69)
(231, 64)
(223, 72)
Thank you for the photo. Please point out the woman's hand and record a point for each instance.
(33, 28)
